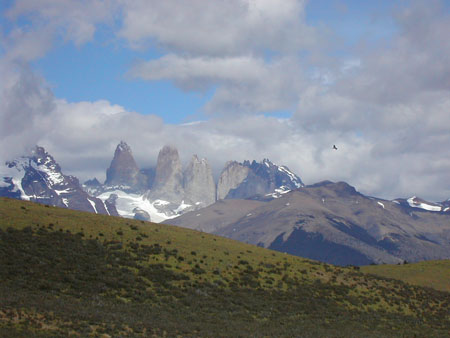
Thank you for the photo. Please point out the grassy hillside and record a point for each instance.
(433, 274)
(67, 272)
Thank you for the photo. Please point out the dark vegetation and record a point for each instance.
(61, 278)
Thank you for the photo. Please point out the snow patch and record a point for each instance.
(65, 191)
(279, 191)
(381, 204)
(127, 202)
(16, 172)
(182, 207)
(160, 202)
(106, 208)
(52, 177)
(291, 175)
(93, 205)
(413, 202)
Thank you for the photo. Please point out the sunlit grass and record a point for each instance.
(162, 278)
(433, 274)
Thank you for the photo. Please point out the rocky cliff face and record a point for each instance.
(198, 182)
(123, 171)
(231, 177)
(168, 191)
(38, 178)
(247, 180)
(168, 182)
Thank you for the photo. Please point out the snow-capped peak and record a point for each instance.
(294, 178)
(38, 178)
(416, 202)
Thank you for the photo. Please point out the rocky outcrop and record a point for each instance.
(198, 183)
(248, 180)
(141, 214)
(93, 186)
(124, 172)
(168, 182)
(39, 178)
(231, 177)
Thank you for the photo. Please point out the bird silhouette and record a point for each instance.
(334, 147)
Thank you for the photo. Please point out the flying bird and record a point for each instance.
(334, 147)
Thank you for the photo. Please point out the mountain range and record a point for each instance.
(256, 202)
(333, 223)
(39, 178)
(163, 192)
(171, 189)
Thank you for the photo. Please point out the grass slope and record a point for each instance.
(65, 272)
(433, 274)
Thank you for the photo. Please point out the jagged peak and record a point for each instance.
(168, 148)
(230, 164)
(267, 162)
(123, 147)
(38, 150)
(92, 182)
(196, 160)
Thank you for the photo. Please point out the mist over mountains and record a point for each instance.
(158, 193)
(256, 202)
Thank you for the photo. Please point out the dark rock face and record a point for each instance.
(39, 178)
(123, 171)
(247, 180)
(149, 174)
(314, 246)
(93, 187)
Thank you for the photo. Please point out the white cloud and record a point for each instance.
(201, 72)
(386, 112)
(246, 50)
(217, 28)
(24, 110)
(76, 19)
(397, 102)
(244, 84)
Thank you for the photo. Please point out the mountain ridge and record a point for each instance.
(334, 223)
(173, 189)
(38, 177)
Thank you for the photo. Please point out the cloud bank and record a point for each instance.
(386, 105)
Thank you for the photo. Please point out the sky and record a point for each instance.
(234, 80)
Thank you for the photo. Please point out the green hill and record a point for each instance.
(433, 274)
(65, 272)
